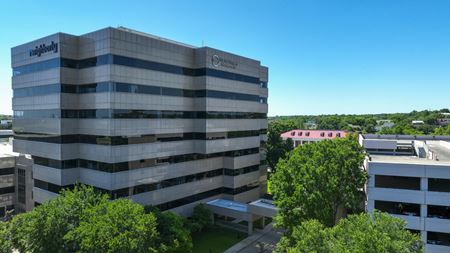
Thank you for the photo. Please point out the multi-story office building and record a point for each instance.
(137, 116)
(409, 177)
(300, 137)
(7, 192)
(16, 181)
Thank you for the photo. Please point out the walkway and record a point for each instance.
(267, 238)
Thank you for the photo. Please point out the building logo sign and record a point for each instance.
(42, 49)
(220, 61)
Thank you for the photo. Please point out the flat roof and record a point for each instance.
(405, 137)
(229, 204)
(6, 150)
(442, 152)
(266, 203)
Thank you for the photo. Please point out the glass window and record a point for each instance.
(397, 182)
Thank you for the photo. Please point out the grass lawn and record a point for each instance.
(217, 239)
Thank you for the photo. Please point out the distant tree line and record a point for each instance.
(366, 123)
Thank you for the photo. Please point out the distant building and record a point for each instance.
(7, 165)
(16, 183)
(417, 122)
(310, 125)
(355, 127)
(300, 137)
(409, 177)
(384, 123)
(5, 134)
(445, 120)
(6, 122)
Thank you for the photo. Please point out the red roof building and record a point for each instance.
(300, 137)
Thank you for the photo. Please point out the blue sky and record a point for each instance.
(324, 57)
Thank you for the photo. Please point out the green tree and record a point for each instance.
(174, 233)
(5, 241)
(116, 226)
(355, 234)
(319, 181)
(201, 218)
(44, 228)
(276, 147)
(82, 220)
(442, 131)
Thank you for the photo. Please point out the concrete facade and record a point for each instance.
(7, 176)
(409, 177)
(141, 117)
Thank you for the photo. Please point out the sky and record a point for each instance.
(324, 57)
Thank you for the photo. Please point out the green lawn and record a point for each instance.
(217, 239)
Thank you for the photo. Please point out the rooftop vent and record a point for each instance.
(322, 134)
(307, 134)
(292, 133)
(300, 133)
(330, 134)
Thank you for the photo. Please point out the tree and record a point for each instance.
(442, 130)
(5, 241)
(116, 226)
(174, 233)
(276, 147)
(201, 218)
(358, 233)
(44, 228)
(82, 220)
(319, 181)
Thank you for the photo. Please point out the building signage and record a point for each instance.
(42, 49)
(220, 61)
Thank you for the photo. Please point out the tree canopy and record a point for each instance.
(82, 220)
(276, 147)
(319, 181)
(355, 234)
(201, 218)
(366, 123)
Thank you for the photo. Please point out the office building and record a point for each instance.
(16, 181)
(300, 137)
(7, 192)
(409, 177)
(444, 119)
(141, 117)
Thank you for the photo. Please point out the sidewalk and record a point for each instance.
(267, 238)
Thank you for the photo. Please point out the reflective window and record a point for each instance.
(6, 171)
(237, 172)
(7, 190)
(21, 186)
(134, 114)
(124, 140)
(135, 63)
(132, 88)
(116, 167)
